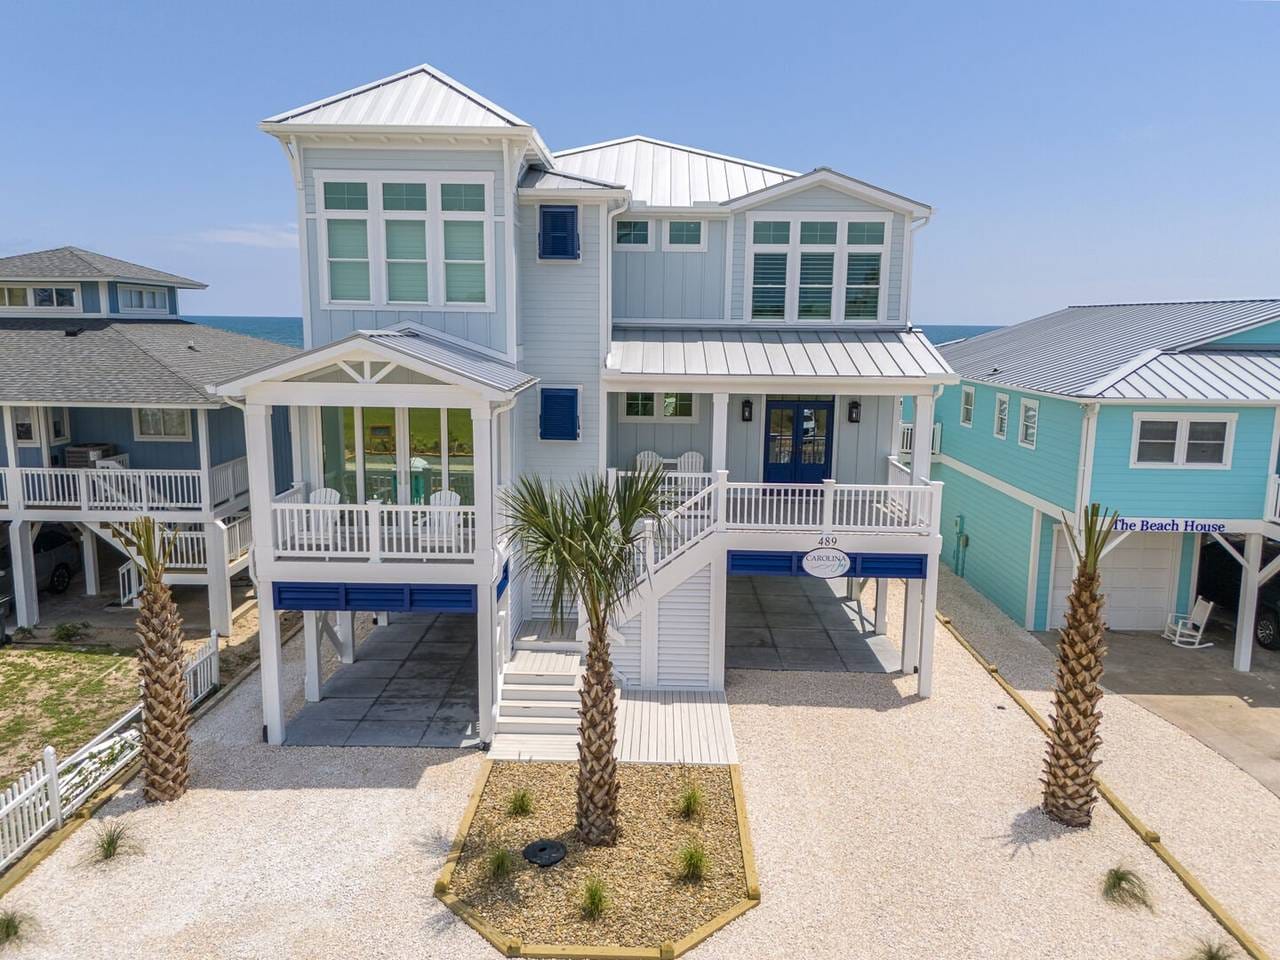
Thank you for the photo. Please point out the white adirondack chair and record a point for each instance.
(326, 496)
(1188, 631)
(648, 460)
(322, 527)
(442, 529)
(690, 462)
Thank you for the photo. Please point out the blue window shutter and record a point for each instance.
(558, 414)
(558, 233)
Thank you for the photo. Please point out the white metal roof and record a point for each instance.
(661, 174)
(1072, 351)
(536, 178)
(469, 364)
(1249, 375)
(749, 352)
(421, 96)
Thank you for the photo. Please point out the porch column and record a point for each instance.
(219, 580)
(486, 643)
(206, 475)
(719, 431)
(924, 681)
(89, 554)
(882, 606)
(922, 445)
(311, 647)
(911, 626)
(921, 455)
(345, 620)
(257, 434)
(22, 568)
(1248, 606)
(12, 479)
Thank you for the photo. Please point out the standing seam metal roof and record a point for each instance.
(457, 359)
(668, 351)
(1071, 350)
(1201, 375)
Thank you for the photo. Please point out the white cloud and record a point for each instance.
(252, 235)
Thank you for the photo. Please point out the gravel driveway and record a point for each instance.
(884, 826)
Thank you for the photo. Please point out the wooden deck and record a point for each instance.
(654, 726)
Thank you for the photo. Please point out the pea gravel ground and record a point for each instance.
(884, 826)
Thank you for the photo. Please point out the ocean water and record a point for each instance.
(288, 330)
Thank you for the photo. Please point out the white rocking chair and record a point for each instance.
(1188, 631)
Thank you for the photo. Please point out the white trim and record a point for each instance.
(1182, 421)
(375, 218)
(969, 394)
(658, 416)
(1025, 404)
(840, 251)
(56, 439)
(669, 247)
(770, 384)
(32, 286)
(37, 437)
(1000, 433)
(1033, 571)
(837, 181)
(729, 241)
(1194, 579)
(162, 298)
(648, 247)
(1008, 489)
(140, 437)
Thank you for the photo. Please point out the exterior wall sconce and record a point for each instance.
(746, 411)
(855, 411)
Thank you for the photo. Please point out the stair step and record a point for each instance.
(558, 725)
(540, 691)
(518, 709)
(550, 646)
(526, 678)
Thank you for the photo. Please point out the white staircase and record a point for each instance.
(538, 707)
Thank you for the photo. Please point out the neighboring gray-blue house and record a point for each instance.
(1166, 412)
(107, 416)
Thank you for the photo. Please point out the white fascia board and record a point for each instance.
(696, 212)
(585, 195)
(709, 383)
(837, 181)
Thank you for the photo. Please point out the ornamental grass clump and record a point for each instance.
(1125, 888)
(595, 899)
(691, 802)
(691, 862)
(110, 840)
(12, 926)
(1212, 950)
(499, 864)
(520, 803)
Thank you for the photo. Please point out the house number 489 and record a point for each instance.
(827, 541)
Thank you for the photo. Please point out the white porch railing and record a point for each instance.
(239, 535)
(906, 437)
(1272, 514)
(373, 531)
(48, 792)
(108, 490)
(229, 480)
(677, 488)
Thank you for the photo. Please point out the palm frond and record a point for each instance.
(1096, 530)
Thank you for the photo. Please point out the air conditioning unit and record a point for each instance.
(87, 455)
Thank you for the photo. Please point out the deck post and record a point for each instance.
(257, 435)
(922, 442)
(911, 627)
(882, 606)
(719, 430)
(26, 605)
(924, 681)
(89, 552)
(722, 498)
(648, 617)
(311, 648)
(828, 505)
(206, 468)
(346, 623)
(1248, 606)
(219, 580)
(486, 642)
(271, 668)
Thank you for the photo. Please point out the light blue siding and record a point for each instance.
(668, 439)
(744, 458)
(488, 329)
(661, 285)
(1044, 582)
(560, 327)
(1266, 335)
(820, 199)
(862, 449)
(1237, 493)
(1048, 471)
(998, 528)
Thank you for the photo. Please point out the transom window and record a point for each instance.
(824, 268)
(407, 238)
(685, 236)
(659, 406)
(1191, 440)
(45, 297)
(1028, 422)
(633, 234)
(966, 406)
(143, 298)
(153, 423)
(1001, 426)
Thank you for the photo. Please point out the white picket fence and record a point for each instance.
(41, 799)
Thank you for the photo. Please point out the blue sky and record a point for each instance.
(1074, 153)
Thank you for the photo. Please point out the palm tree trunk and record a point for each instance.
(597, 734)
(1070, 787)
(166, 716)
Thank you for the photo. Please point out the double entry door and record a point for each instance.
(397, 454)
(797, 440)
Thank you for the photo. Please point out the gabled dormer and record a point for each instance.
(69, 281)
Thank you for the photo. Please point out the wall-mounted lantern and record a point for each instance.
(855, 411)
(746, 411)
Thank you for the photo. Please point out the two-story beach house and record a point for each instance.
(107, 417)
(1168, 413)
(478, 307)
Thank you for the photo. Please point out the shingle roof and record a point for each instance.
(1199, 375)
(1071, 351)
(421, 96)
(123, 361)
(662, 174)
(734, 352)
(73, 263)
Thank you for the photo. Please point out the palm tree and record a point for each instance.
(1070, 790)
(166, 711)
(583, 539)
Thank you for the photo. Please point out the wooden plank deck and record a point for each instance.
(654, 726)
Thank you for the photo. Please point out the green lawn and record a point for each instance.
(59, 697)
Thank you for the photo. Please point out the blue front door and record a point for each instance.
(797, 440)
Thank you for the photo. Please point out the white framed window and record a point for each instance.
(155, 423)
(684, 236)
(633, 236)
(1028, 422)
(1000, 425)
(41, 297)
(59, 424)
(1195, 441)
(396, 238)
(966, 406)
(143, 299)
(24, 427)
(651, 407)
(817, 267)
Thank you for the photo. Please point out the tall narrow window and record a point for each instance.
(406, 261)
(1001, 425)
(464, 270)
(347, 239)
(817, 274)
(1029, 422)
(769, 286)
(862, 287)
(966, 406)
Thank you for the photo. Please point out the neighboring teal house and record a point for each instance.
(1165, 412)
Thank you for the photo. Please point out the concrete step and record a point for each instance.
(540, 691)
(539, 725)
(518, 709)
